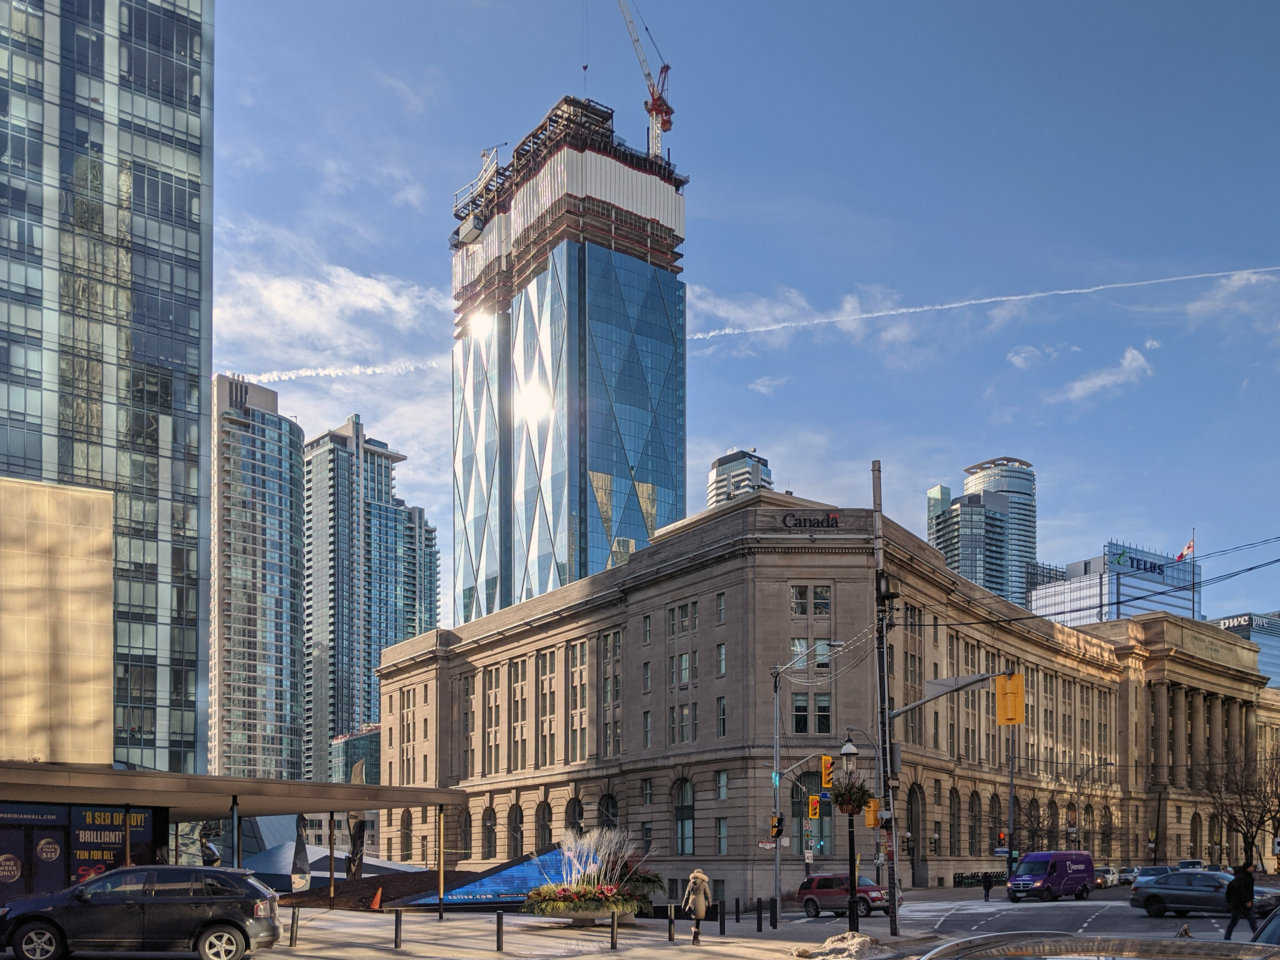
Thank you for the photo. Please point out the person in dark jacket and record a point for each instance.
(987, 883)
(1240, 899)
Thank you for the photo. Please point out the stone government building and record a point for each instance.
(642, 696)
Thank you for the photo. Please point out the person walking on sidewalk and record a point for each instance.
(696, 895)
(987, 884)
(1240, 899)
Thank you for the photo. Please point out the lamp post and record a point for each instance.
(848, 753)
(1079, 782)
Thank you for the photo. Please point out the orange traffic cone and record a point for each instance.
(376, 902)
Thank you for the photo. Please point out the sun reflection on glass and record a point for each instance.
(532, 402)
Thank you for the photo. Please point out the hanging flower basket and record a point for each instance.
(850, 796)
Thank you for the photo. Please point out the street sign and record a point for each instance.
(1000, 852)
(767, 844)
(824, 795)
(808, 856)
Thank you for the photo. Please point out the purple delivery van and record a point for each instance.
(1052, 874)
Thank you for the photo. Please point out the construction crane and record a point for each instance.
(656, 106)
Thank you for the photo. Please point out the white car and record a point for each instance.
(1106, 876)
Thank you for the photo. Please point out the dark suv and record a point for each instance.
(217, 912)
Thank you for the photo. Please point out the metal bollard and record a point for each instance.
(720, 911)
(399, 928)
(499, 931)
(671, 924)
(737, 909)
(293, 927)
(759, 915)
(773, 913)
(613, 930)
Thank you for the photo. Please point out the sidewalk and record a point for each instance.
(351, 935)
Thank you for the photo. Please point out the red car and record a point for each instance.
(830, 891)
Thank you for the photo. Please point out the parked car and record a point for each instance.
(1190, 864)
(1203, 891)
(1127, 874)
(1146, 874)
(217, 912)
(1105, 877)
(830, 891)
(1051, 874)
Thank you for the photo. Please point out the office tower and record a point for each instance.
(737, 472)
(256, 636)
(1124, 582)
(1262, 629)
(372, 579)
(105, 283)
(989, 534)
(569, 361)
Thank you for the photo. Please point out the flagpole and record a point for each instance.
(1193, 573)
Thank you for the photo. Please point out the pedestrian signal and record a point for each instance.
(814, 801)
(775, 826)
(872, 811)
(827, 764)
(1010, 703)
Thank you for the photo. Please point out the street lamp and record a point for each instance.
(849, 753)
(1079, 784)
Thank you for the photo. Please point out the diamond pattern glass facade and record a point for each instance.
(569, 426)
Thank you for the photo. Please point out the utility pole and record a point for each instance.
(883, 595)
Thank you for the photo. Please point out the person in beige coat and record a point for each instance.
(696, 896)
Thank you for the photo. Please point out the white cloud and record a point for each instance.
(1023, 356)
(1133, 367)
(767, 385)
(1246, 293)
(1152, 344)
(410, 99)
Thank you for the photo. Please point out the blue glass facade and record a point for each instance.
(105, 239)
(569, 446)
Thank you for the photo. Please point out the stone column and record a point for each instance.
(1199, 741)
(1160, 723)
(1251, 736)
(1235, 732)
(1180, 735)
(1217, 734)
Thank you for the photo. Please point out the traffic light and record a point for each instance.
(872, 811)
(814, 801)
(1010, 700)
(775, 826)
(828, 763)
(1002, 837)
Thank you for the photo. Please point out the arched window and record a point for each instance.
(573, 817)
(464, 835)
(406, 834)
(608, 813)
(542, 825)
(488, 834)
(804, 786)
(975, 824)
(953, 838)
(682, 795)
(515, 833)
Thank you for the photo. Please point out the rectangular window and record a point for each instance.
(646, 837)
(646, 677)
(721, 719)
(671, 670)
(721, 660)
(648, 729)
(822, 713)
(722, 784)
(693, 615)
(722, 835)
(693, 666)
(693, 723)
(719, 608)
(822, 601)
(684, 723)
(799, 601)
(671, 723)
(646, 791)
(800, 651)
(822, 652)
(799, 713)
(684, 618)
(648, 629)
(671, 621)
(683, 662)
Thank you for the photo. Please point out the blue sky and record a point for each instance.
(849, 163)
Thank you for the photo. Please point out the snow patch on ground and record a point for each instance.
(846, 946)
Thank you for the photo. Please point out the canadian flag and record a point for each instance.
(1186, 551)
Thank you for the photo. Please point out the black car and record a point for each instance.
(217, 912)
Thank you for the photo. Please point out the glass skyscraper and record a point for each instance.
(372, 579)
(1125, 581)
(105, 236)
(256, 651)
(569, 361)
(737, 473)
(1262, 629)
(989, 535)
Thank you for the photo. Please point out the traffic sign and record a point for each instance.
(1000, 852)
(768, 844)
(808, 856)
(824, 795)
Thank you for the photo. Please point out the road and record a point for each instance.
(963, 913)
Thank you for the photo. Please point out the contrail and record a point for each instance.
(1009, 298)
(304, 373)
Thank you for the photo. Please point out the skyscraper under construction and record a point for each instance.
(569, 360)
